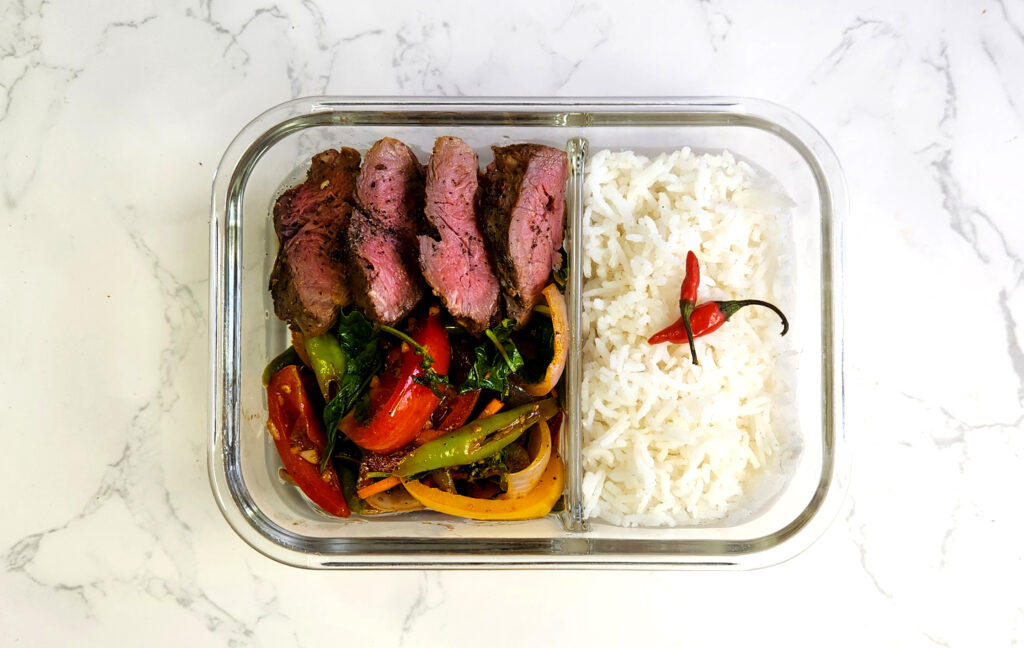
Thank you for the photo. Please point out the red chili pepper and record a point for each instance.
(688, 299)
(300, 439)
(709, 317)
(406, 410)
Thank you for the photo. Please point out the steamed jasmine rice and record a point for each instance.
(665, 442)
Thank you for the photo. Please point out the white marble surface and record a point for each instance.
(112, 118)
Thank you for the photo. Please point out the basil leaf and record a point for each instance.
(360, 342)
(495, 359)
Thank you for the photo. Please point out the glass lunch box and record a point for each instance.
(273, 152)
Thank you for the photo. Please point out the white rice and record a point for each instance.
(665, 442)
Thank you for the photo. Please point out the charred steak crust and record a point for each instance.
(455, 262)
(522, 218)
(330, 181)
(308, 283)
(380, 242)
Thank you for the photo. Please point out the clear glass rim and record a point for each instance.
(283, 545)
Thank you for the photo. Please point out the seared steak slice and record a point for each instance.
(330, 181)
(380, 243)
(390, 187)
(457, 266)
(382, 284)
(309, 283)
(522, 218)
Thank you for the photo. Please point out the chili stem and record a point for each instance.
(542, 309)
(729, 308)
(687, 311)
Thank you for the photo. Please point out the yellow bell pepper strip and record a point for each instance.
(537, 503)
(476, 440)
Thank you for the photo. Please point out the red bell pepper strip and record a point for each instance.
(299, 438)
(460, 408)
(403, 413)
(453, 411)
(709, 317)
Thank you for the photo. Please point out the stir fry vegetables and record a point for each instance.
(402, 405)
(475, 441)
(371, 418)
(536, 503)
(560, 342)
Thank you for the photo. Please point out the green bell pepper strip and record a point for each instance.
(328, 362)
(476, 440)
(287, 357)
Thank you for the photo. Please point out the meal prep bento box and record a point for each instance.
(273, 151)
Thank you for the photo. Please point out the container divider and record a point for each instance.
(572, 441)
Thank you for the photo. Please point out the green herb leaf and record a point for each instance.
(495, 359)
(493, 466)
(539, 338)
(360, 342)
(434, 381)
(361, 409)
(561, 276)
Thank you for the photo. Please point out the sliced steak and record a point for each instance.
(309, 283)
(390, 187)
(522, 218)
(380, 243)
(456, 263)
(330, 181)
(382, 284)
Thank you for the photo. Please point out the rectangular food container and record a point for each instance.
(273, 152)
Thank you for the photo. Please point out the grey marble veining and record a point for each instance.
(112, 119)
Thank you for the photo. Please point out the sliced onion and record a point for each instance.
(394, 501)
(539, 446)
(560, 325)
